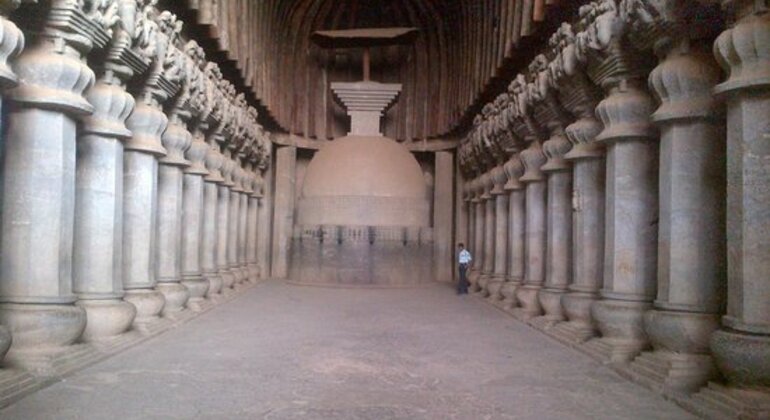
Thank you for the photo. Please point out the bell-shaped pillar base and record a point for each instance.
(106, 318)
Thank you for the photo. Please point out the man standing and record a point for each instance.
(464, 259)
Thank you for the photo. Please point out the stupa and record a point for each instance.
(363, 213)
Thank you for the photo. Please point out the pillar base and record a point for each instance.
(106, 318)
(237, 275)
(176, 296)
(196, 286)
(508, 291)
(215, 284)
(529, 306)
(228, 279)
(5, 341)
(42, 328)
(253, 270)
(680, 332)
(494, 286)
(742, 358)
(580, 325)
(622, 328)
(483, 284)
(148, 303)
(473, 280)
(550, 301)
(724, 402)
(669, 373)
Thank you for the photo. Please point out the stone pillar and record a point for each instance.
(558, 271)
(234, 226)
(283, 217)
(266, 230)
(11, 45)
(140, 187)
(500, 197)
(742, 347)
(176, 139)
(691, 234)
(140, 207)
(223, 223)
(443, 205)
(209, 242)
(252, 238)
(535, 232)
(631, 193)
(98, 236)
(462, 221)
(516, 228)
(38, 181)
(470, 219)
(243, 225)
(192, 220)
(478, 234)
(632, 213)
(580, 97)
(487, 259)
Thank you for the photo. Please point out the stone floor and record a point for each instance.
(282, 351)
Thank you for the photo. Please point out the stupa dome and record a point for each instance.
(364, 181)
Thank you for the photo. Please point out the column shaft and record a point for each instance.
(742, 347)
(283, 221)
(11, 44)
(169, 237)
(691, 251)
(252, 237)
(535, 231)
(558, 271)
(489, 237)
(192, 236)
(233, 231)
(38, 192)
(443, 204)
(266, 230)
(243, 231)
(98, 238)
(587, 246)
(631, 222)
(535, 235)
(223, 229)
(476, 241)
(140, 209)
(209, 241)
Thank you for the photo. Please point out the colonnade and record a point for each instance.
(638, 221)
(131, 178)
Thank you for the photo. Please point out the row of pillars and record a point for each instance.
(131, 176)
(642, 233)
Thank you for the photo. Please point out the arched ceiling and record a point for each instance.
(460, 59)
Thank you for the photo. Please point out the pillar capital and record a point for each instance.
(11, 43)
(577, 93)
(55, 77)
(228, 169)
(533, 160)
(514, 169)
(742, 49)
(499, 179)
(487, 183)
(686, 74)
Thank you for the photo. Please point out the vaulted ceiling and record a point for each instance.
(462, 56)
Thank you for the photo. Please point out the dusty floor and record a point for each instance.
(289, 352)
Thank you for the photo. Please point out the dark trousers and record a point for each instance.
(462, 285)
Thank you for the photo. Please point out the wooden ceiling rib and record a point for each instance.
(462, 48)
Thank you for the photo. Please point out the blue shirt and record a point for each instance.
(464, 257)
